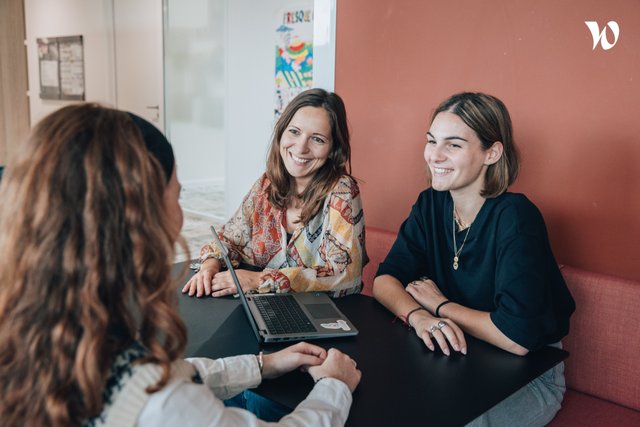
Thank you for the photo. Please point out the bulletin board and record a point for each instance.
(61, 63)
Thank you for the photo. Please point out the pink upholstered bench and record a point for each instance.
(603, 370)
(378, 243)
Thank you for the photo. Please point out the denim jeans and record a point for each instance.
(533, 405)
(263, 408)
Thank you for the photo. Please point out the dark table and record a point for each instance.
(403, 383)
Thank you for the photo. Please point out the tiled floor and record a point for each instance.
(203, 206)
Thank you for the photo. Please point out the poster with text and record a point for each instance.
(61, 63)
(294, 55)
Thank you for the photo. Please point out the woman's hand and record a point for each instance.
(429, 328)
(301, 355)
(223, 282)
(339, 366)
(443, 331)
(200, 283)
(211, 281)
(426, 292)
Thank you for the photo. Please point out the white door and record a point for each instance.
(139, 58)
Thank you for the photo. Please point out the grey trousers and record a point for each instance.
(533, 405)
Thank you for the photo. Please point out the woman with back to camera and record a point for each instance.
(90, 334)
(473, 257)
(302, 223)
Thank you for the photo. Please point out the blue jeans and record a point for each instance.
(263, 408)
(533, 405)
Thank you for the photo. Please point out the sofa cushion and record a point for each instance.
(378, 243)
(604, 337)
(579, 409)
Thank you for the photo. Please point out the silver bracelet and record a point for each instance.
(260, 361)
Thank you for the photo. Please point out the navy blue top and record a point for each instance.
(506, 267)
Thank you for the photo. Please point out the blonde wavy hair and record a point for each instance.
(86, 250)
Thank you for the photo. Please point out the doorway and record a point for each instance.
(194, 90)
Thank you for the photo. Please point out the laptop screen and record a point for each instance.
(243, 298)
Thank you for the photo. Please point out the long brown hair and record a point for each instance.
(282, 190)
(80, 280)
(490, 120)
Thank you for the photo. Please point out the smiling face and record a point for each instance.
(306, 144)
(455, 156)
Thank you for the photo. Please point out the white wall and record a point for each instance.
(194, 88)
(195, 71)
(250, 63)
(91, 19)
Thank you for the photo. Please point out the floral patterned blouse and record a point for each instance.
(326, 254)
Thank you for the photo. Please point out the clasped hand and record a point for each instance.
(211, 281)
(429, 328)
(315, 360)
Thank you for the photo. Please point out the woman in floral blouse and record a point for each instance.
(302, 223)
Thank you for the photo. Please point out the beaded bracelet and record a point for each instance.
(319, 379)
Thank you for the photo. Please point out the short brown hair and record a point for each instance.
(282, 189)
(490, 120)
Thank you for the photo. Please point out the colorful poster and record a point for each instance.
(294, 56)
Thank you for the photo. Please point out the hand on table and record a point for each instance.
(211, 281)
(301, 355)
(223, 282)
(339, 366)
(429, 328)
(444, 331)
(200, 283)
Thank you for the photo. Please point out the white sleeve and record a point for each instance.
(185, 404)
(228, 376)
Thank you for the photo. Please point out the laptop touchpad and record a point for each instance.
(323, 311)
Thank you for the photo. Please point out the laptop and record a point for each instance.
(289, 316)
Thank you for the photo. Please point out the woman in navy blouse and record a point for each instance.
(473, 258)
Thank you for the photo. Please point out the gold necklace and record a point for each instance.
(456, 251)
(461, 225)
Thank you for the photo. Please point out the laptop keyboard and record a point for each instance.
(283, 315)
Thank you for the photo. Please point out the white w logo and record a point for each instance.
(602, 36)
